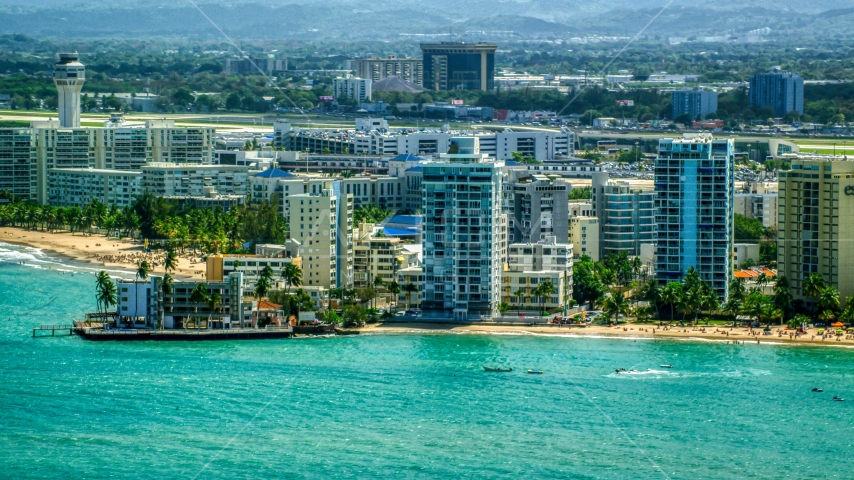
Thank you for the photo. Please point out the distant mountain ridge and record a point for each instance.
(348, 19)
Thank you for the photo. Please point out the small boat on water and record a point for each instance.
(817, 390)
(667, 365)
(535, 372)
(623, 371)
(838, 399)
(497, 369)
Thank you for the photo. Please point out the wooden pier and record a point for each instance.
(64, 331)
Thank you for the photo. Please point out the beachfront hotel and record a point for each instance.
(694, 209)
(464, 233)
(816, 224)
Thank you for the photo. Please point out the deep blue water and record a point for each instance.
(404, 406)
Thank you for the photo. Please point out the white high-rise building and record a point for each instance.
(464, 233)
(69, 75)
(354, 88)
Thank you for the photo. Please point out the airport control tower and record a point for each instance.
(69, 75)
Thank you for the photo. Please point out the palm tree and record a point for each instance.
(292, 275)
(636, 264)
(197, 296)
(519, 294)
(106, 291)
(262, 287)
(813, 285)
(394, 288)
(761, 281)
(168, 283)
(650, 292)
(614, 305)
(782, 296)
(378, 283)
(142, 270)
(108, 296)
(693, 300)
(544, 289)
(828, 299)
(267, 272)
(711, 302)
(672, 294)
(214, 300)
(737, 290)
(101, 281)
(170, 261)
(409, 288)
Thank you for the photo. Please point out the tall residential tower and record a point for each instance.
(694, 209)
(69, 75)
(464, 233)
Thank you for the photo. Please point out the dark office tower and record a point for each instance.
(459, 66)
(784, 92)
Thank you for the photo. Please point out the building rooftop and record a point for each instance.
(274, 173)
(406, 220)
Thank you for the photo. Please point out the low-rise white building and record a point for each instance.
(528, 266)
(170, 179)
(77, 187)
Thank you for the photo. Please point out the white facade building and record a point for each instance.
(464, 233)
(169, 179)
(542, 145)
(77, 187)
(352, 88)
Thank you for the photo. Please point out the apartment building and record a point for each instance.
(376, 69)
(536, 207)
(221, 266)
(584, 236)
(784, 92)
(531, 264)
(816, 224)
(323, 224)
(77, 187)
(144, 301)
(352, 88)
(387, 192)
(375, 257)
(464, 233)
(542, 145)
(626, 215)
(410, 297)
(694, 209)
(694, 103)
(170, 179)
(759, 201)
(27, 155)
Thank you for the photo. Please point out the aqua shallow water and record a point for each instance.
(404, 406)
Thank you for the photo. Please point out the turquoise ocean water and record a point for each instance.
(403, 406)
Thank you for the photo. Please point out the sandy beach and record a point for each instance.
(124, 255)
(100, 251)
(646, 331)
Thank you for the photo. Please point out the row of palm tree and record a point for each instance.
(161, 220)
(115, 221)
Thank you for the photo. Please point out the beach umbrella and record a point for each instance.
(838, 324)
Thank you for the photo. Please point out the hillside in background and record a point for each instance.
(386, 19)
